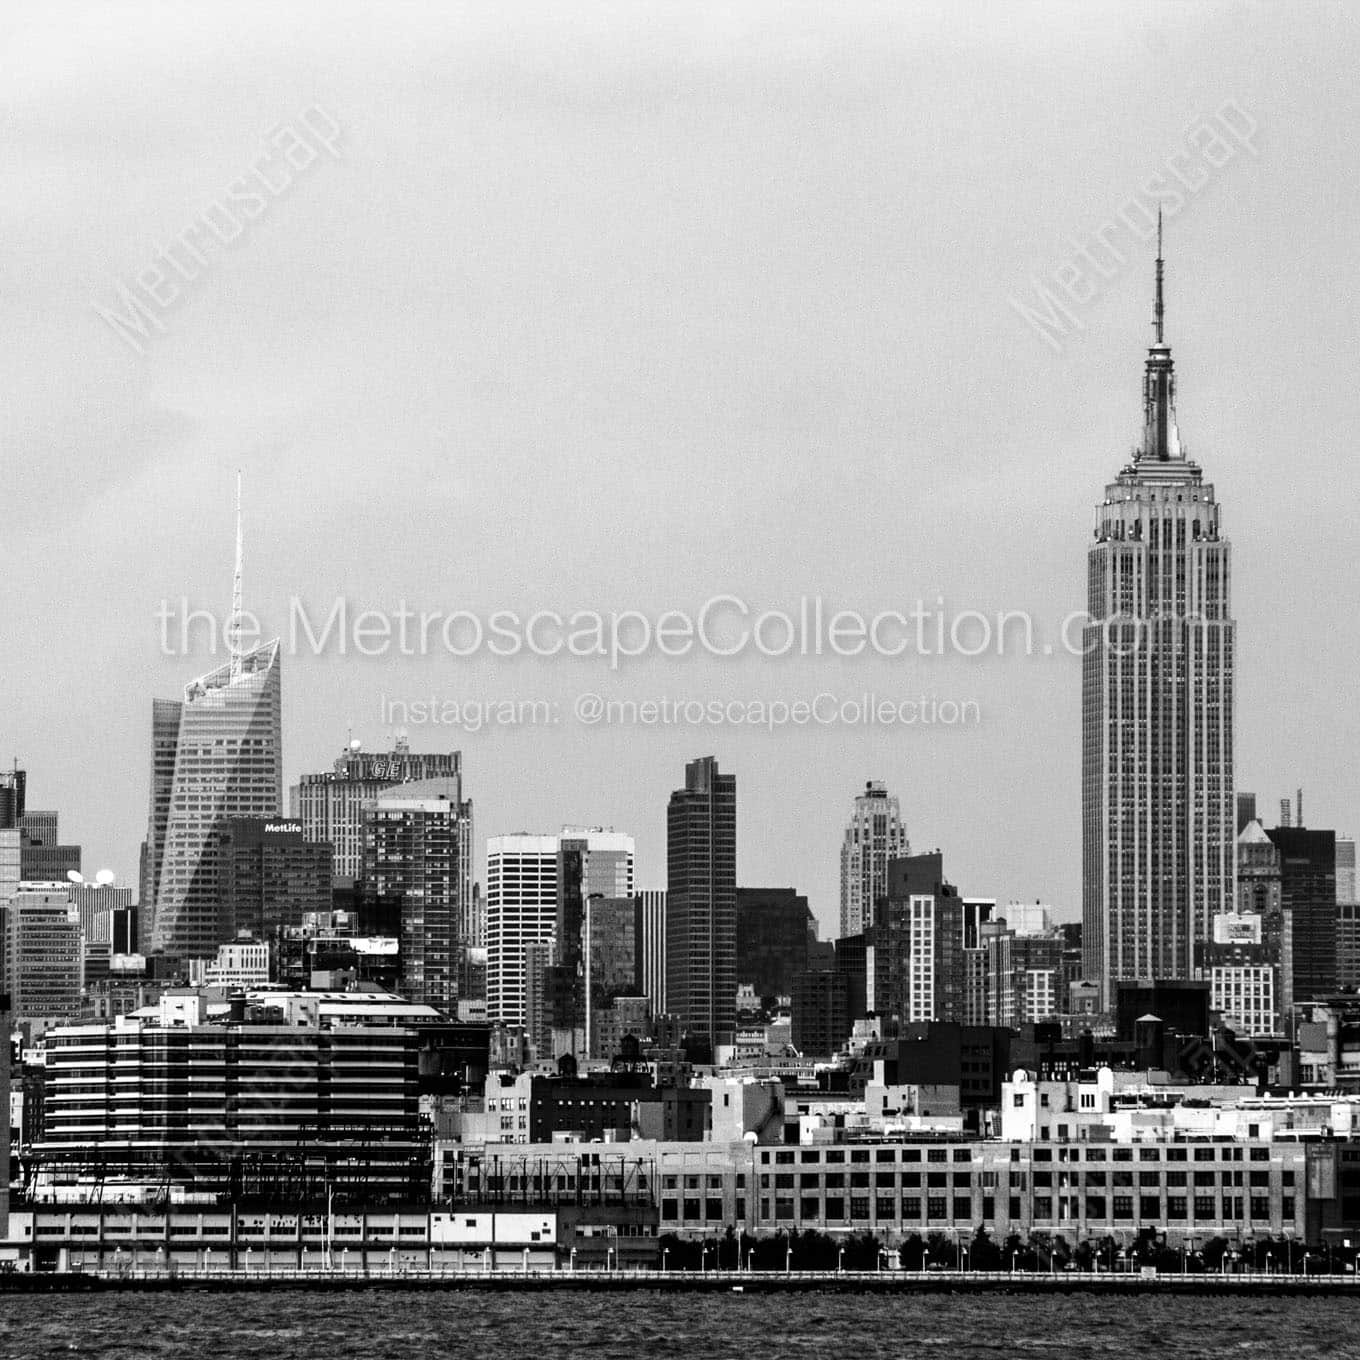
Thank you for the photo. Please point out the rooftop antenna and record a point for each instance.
(1157, 306)
(234, 626)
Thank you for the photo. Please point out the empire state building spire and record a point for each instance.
(1161, 439)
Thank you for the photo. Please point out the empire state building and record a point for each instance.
(1157, 707)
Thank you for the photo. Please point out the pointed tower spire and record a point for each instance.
(1157, 312)
(234, 625)
(1161, 441)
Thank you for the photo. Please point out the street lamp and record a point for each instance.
(573, 1259)
(788, 1259)
(840, 1261)
(526, 1260)
(1014, 1257)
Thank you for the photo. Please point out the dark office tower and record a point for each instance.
(216, 754)
(1308, 902)
(591, 862)
(42, 858)
(416, 847)
(610, 939)
(774, 927)
(5, 1056)
(914, 955)
(271, 875)
(1246, 811)
(12, 784)
(1158, 823)
(821, 1012)
(330, 805)
(701, 901)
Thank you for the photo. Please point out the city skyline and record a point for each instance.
(883, 423)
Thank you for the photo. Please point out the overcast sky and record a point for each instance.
(622, 306)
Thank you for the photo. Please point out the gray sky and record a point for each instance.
(615, 306)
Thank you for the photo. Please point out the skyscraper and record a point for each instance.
(774, 927)
(272, 876)
(1308, 903)
(914, 951)
(652, 947)
(521, 910)
(590, 863)
(216, 754)
(43, 968)
(330, 804)
(875, 835)
(416, 847)
(701, 901)
(536, 887)
(1158, 812)
(42, 857)
(12, 787)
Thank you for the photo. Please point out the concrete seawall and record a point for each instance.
(721, 1282)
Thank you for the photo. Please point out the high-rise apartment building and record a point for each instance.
(43, 962)
(330, 805)
(536, 889)
(1158, 809)
(875, 835)
(914, 951)
(521, 909)
(701, 901)
(217, 753)
(416, 848)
